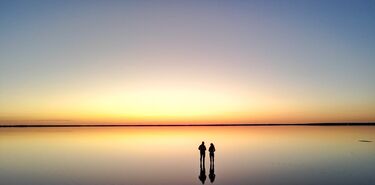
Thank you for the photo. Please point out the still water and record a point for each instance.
(170, 155)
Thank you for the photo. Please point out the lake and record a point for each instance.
(170, 155)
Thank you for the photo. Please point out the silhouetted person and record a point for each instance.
(202, 150)
(212, 153)
(212, 173)
(202, 175)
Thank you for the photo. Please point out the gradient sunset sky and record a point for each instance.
(66, 62)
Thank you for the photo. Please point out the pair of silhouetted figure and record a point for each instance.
(202, 149)
(202, 174)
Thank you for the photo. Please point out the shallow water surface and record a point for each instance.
(169, 155)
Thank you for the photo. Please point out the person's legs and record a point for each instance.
(202, 156)
(212, 157)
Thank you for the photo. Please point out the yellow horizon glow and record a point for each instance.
(169, 103)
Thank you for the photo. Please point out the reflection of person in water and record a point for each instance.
(202, 150)
(212, 153)
(212, 172)
(202, 174)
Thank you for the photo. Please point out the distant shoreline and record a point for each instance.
(191, 125)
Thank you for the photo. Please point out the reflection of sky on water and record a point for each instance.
(169, 155)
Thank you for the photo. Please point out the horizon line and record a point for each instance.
(195, 125)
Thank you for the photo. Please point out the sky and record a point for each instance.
(70, 62)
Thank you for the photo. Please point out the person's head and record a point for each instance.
(212, 144)
(202, 142)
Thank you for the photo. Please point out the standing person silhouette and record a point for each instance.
(202, 150)
(212, 164)
(212, 153)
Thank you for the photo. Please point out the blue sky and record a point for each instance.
(312, 58)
